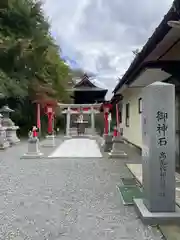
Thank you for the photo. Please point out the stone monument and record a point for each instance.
(9, 125)
(158, 153)
(50, 141)
(117, 148)
(33, 147)
(107, 144)
(3, 140)
(81, 125)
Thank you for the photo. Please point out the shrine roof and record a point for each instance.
(87, 83)
(156, 48)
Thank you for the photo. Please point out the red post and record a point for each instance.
(117, 118)
(115, 133)
(50, 115)
(120, 133)
(50, 123)
(38, 116)
(106, 127)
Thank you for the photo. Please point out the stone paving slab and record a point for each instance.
(77, 147)
(57, 199)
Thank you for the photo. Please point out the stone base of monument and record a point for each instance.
(3, 140)
(11, 135)
(33, 149)
(32, 155)
(117, 150)
(92, 136)
(4, 145)
(107, 142)
(68, 136)
(119, 154)
(50, 141)
(156, 218)
(102, 142)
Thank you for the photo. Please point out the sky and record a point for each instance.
(100, 35)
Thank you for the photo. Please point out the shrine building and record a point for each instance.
(87, 101)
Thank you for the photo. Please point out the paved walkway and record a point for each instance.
(65, 199)
(77, 147)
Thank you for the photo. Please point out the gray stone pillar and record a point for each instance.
(33, 149)
(158, 153)
(68, 118)
(92, 121)
(107, 142)
(49, 141)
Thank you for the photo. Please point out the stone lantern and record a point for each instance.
(3, 140)
(9, 125)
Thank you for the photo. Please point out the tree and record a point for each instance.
(30, 63)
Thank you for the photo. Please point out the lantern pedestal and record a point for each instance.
(67, 137)
(33, 149)
(3, 140)
(117, 150)
(107, 142)
(50, 141)
(93, 136)
(11, 134)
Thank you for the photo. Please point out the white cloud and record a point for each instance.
(101, 34)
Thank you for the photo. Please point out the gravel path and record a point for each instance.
(65, 199)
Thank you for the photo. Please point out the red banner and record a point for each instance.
(50, 122)
(38, 116)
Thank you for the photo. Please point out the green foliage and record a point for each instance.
(28, 54)
(30, 63)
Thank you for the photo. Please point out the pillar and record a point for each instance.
(92, 121)
(68, 118)
(117, 119)
(158, 153)
(50, 123)
(109, 122)
(38, 117)
(159, 150)
(106, 126)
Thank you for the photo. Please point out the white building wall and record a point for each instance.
(133, 133)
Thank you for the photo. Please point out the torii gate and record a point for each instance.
(86, 109)
(91, 109)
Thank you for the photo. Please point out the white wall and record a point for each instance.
(133, 133)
